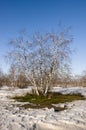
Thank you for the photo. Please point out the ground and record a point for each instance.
(13, 117)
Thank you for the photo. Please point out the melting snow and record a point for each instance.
(17, 118)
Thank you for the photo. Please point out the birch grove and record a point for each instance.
(41, 57)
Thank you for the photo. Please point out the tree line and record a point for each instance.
(13, 79)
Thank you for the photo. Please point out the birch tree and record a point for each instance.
(41, 57)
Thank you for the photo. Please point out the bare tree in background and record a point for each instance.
(12, 75)
(41, 57)
(1, 78)
(83, 79)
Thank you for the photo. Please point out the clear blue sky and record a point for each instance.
(43, 16)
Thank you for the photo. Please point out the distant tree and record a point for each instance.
(12, 75)
(1, 78)
(83, 79)
(42, 57)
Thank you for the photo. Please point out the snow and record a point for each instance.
(71, 90)
(13, 117)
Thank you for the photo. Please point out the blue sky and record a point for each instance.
(43, 16)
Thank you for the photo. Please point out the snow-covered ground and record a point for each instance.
(17, 118)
